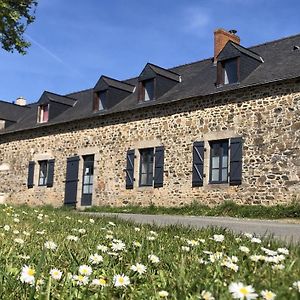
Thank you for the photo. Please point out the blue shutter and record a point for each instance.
(236, 157)
(30, 177)
(50, 174)
(130, 169)
(198, 159)
(159, 167)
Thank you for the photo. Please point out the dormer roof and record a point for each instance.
(105, 82)
(151, 70)
(48, 97)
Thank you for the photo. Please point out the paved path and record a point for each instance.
(279, 229)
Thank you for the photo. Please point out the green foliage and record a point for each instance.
(228, 208)
(15, 16)
(183, 272)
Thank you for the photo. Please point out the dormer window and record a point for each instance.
(43, 113)
(230, 71)
(147, 91)
(101, 100)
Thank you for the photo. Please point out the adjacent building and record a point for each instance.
(223, 128)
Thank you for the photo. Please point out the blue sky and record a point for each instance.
(74, 42)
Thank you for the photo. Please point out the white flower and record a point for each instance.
(153, 258)
(117, 246)
(256, 240)
(153, 232)
(268, 251)
(92, 221)
(55, 274)
(25, 257)
(26, 233)
(16, 220)
(85, 270)
(218, 237)
(80, 279)
(278, 267)
(283, 251)
(192, 243)
(185, 248)
(139, 268)
(16, 232)
(6, 227)
(40, 232)
(296, 285)
(151, 238)
(241, 291)
(137, 229)
(111, 224)
(257, 258)
(82, 230)
(79, 221)
(268, 295)
(121, 280)
(50, 245)
(102, 248)
(99, 282)
(205, 295)
(72, 238)
(27, 275)
(95, 259)
(137, 244)
(163, 294)
(244, 249)
(248, 235)
(19, 241)
(109, 236)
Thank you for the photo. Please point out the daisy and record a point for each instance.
(283, 251)
(16, 232)
(137, 244)
(121, 280)
(50, 245)
(185, 248)
(85, 270)
(6, 227)
(137, 229)
(268, 295)
(151, 238)
(56, 274)
(256, 240)
(296, 285)
(111, 224)
(153, 258)
(205, 295)
(82, 230)
(117, 246)
(244, 249)
(92, 221)
(139, 268)
(102, 248)
(163, 294)
(241, 291)
(16, 220)
(27, 275)
(95, 259)
(19, 241)
(80, 280)
(193, 243)
(99, 282)
(218, 237)
(72, 238)
(278, 267)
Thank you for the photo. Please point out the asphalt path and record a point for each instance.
(277, 229)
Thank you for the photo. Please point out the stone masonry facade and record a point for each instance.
(267, 117)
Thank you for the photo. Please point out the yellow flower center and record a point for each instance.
(121, 280)
(31, 272)
(269, 295)
(102, 281)
(80, 278)
(244, 291)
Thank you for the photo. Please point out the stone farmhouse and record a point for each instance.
(223, 128)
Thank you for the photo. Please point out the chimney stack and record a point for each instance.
(221, 37)
(20, 101)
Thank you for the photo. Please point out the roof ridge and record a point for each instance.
(275, 41)
(121, 81)
(59, 95)
(79, 91)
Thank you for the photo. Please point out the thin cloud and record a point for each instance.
(196, 20)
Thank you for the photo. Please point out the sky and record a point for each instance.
(74, 42)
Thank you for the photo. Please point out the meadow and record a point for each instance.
(55, 254)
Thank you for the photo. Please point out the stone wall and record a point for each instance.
(267, 117)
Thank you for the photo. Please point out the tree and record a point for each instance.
(15, 16)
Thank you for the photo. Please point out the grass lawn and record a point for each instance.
(228, 208)
(55, 254)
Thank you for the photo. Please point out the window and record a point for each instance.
(219, 161)
(102, 100)
(147, 90)
(146, 166)
(43, 114)
(88, 175)
(43, 172)
(230, 71)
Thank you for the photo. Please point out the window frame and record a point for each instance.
(149, 175)
(88, 161)
(45, 177)
(100, 105)
(142, 90)
(221, 71)
(221, 158)
(41, 112)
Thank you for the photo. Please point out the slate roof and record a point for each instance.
(280, 62)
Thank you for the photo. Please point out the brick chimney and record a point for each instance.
(20, 101)
(221, 37)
